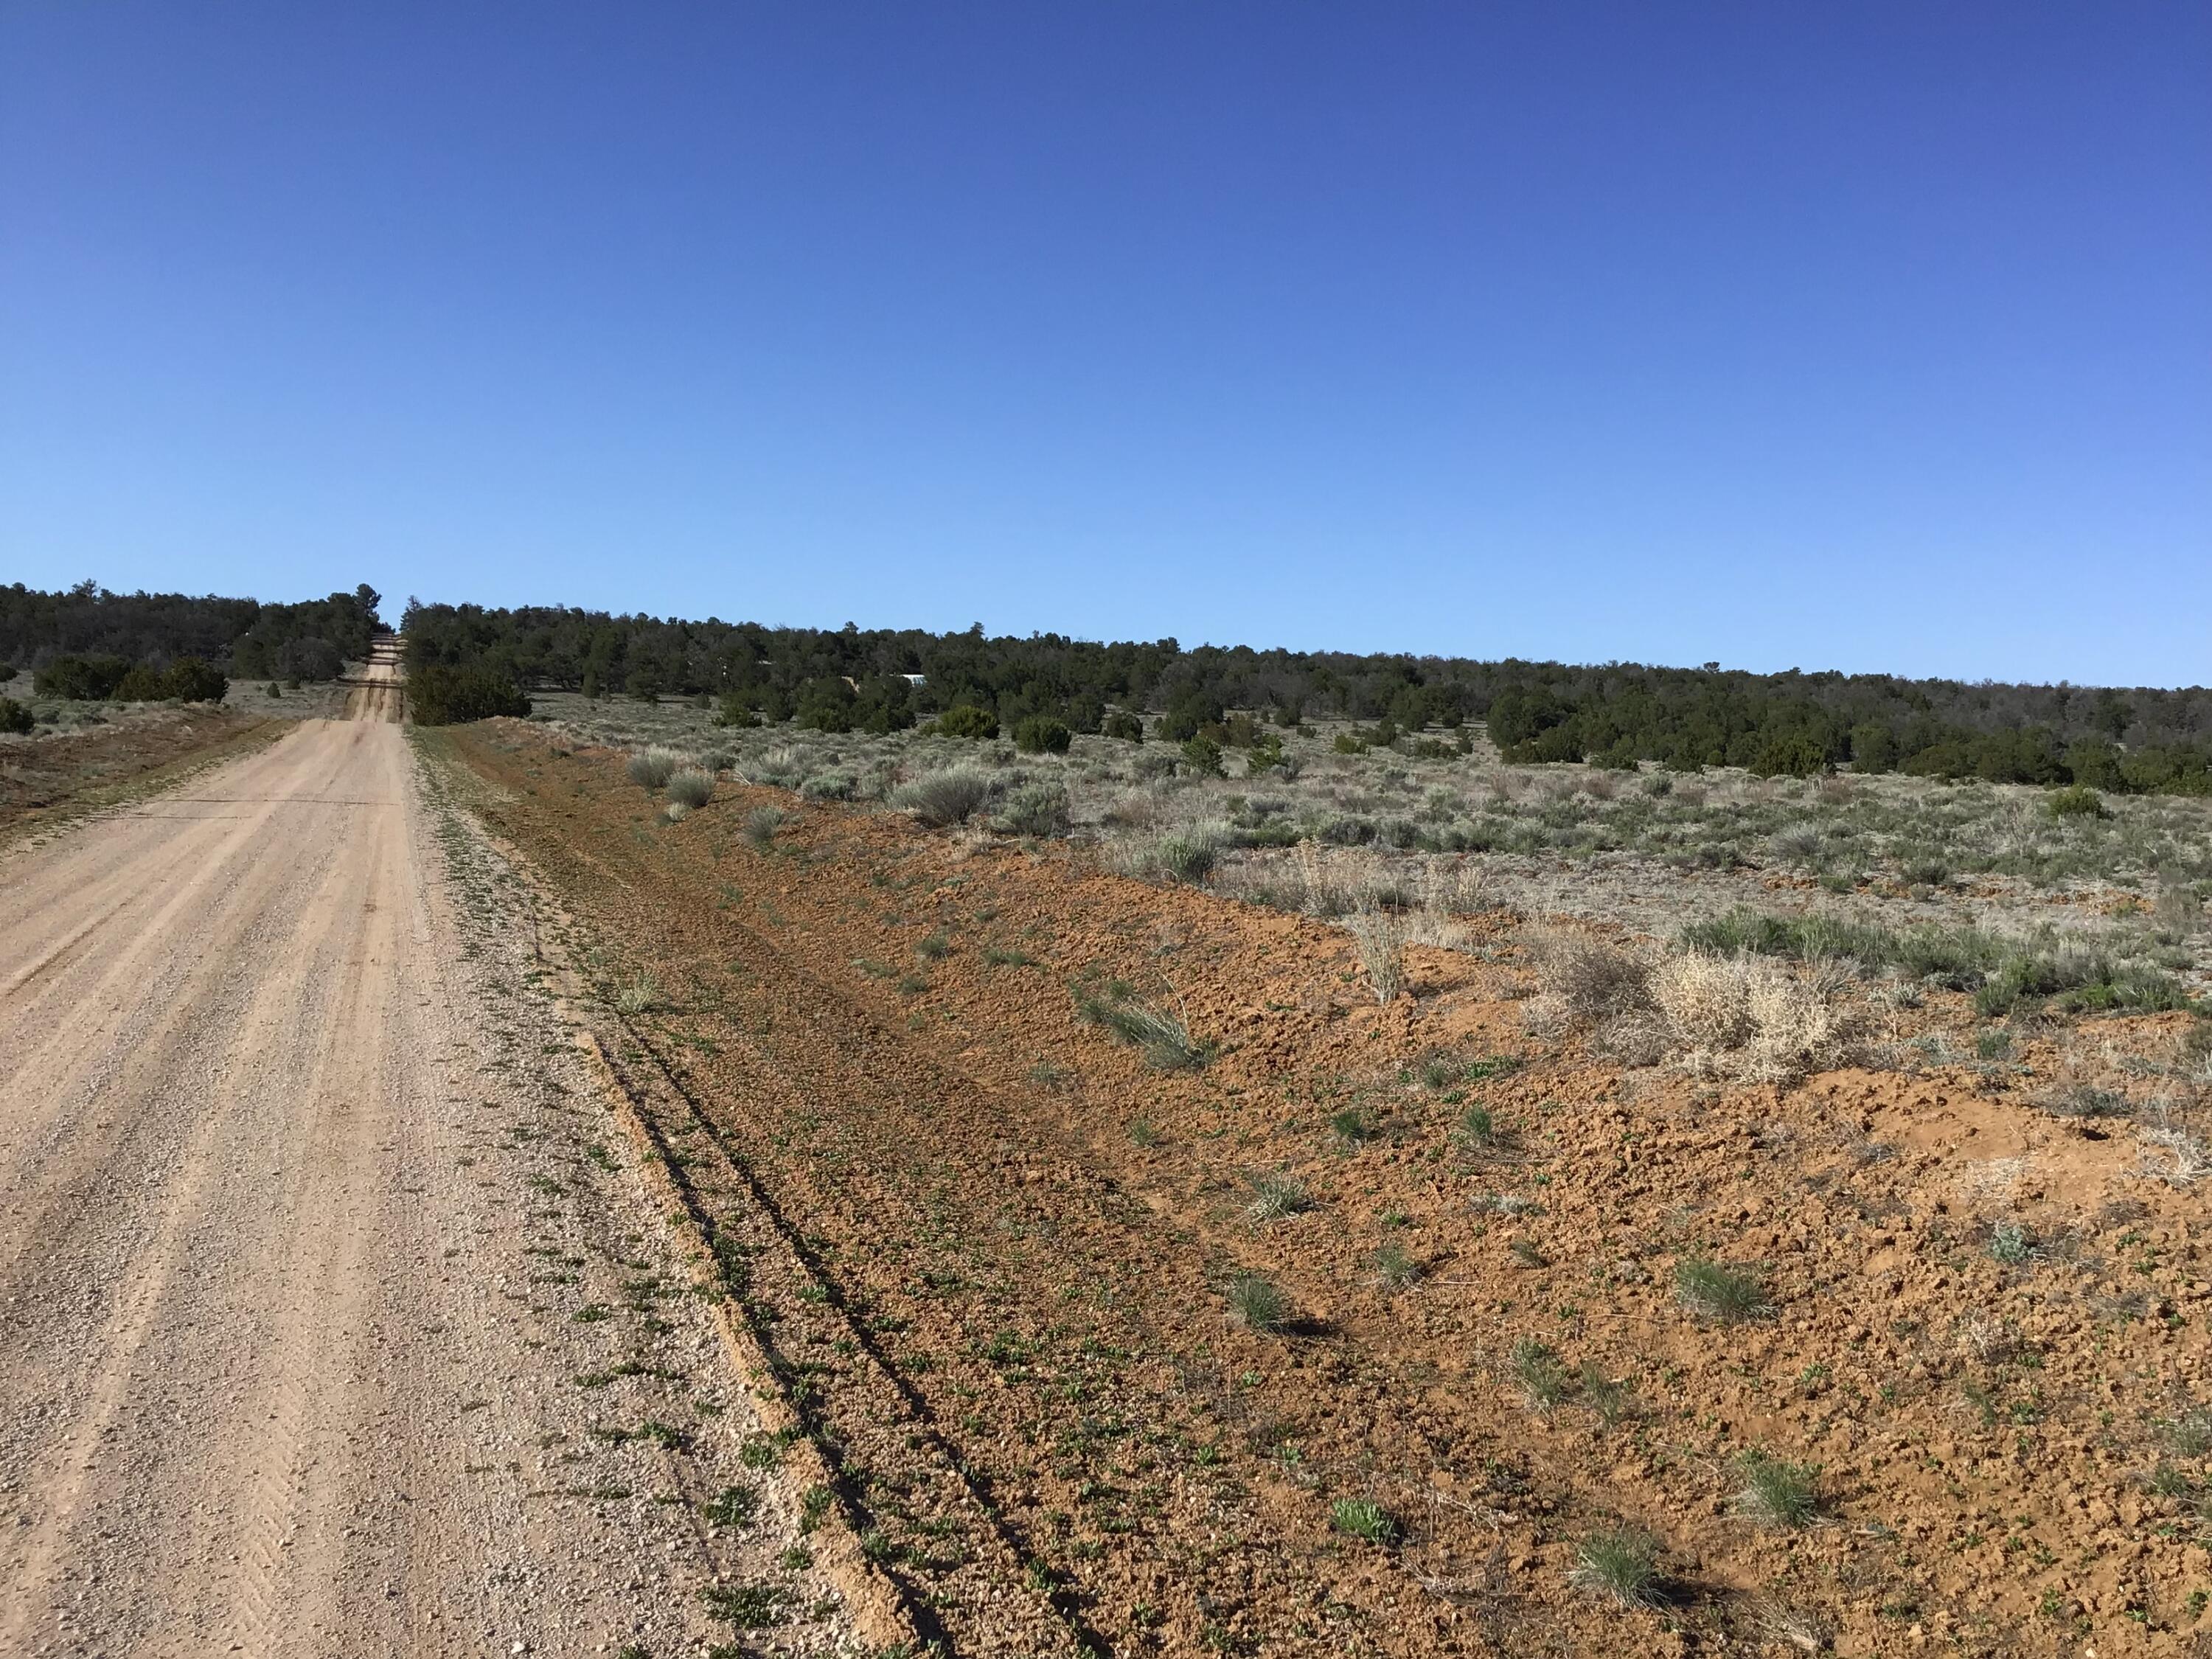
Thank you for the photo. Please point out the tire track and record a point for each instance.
(744, 1251)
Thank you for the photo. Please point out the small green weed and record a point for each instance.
(733, 1506)
(813, 1507)
(1620, 1565)
(1612, 1399)
(761, 1452)
(1537, 1369)
(749, 1607)
(1724, 1295)
(1477, 1131)
(1773, 1492)
(1256, 1302)
(1361, 1517)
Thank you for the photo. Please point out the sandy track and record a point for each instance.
(280, 1375)
(377, 695)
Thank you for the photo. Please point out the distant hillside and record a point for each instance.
(1614, 713)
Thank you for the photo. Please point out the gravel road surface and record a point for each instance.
(319, 1333)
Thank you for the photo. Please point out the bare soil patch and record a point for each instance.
(51, 777)
(1873, 1359)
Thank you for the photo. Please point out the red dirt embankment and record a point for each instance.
(985, 1247)
(46, 779)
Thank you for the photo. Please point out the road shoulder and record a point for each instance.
(631, 1442)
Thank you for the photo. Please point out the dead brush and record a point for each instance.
(1984, 1340)
(1793, 1627)
(1134, 809)
(2177, 913)
(2188, 1158)
(1584, 980)
(2193, 1057)
(1381, 936)
(1326, 894)
(1636, 1036)
(1750, 1017)
(1705, 998)
(1445, 890)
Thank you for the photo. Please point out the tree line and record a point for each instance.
(2139, 739)
(468, 661)
(88, 641)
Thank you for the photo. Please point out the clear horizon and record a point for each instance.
(1873, 341)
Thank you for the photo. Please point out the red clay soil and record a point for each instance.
(46, 778)
(985, 1246)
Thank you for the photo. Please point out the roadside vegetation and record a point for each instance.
(1563, 1237)
(1987, 890)
(1044, 690)
(1723, 927)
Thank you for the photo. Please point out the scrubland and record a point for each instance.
(1999, 867)
(1403, 1203)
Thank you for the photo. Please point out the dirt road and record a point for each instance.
(320, 1321)
(377, 695)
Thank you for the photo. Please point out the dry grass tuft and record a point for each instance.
(691, 789)
(1325, 892)
(641, 996)
(1619, 1565)
(942, 798)
(651, 768)
(1188, 854)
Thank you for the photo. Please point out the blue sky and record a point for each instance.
(1874, 336)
